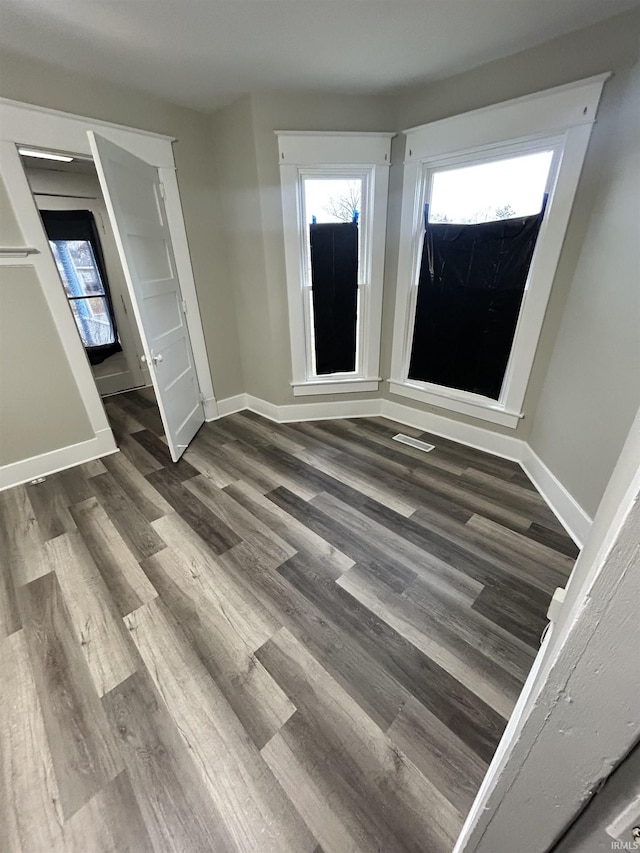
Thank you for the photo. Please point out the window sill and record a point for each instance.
(334, 386)
(445, 399)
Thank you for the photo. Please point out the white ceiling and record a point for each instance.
(205, 53)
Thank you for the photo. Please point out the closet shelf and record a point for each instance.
(17, 251)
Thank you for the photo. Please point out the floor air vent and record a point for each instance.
(413, 442)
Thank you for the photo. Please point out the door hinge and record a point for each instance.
(184, 306)
(163, 194)
(201, 396)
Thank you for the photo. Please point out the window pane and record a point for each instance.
(502, 189)
(93, 321)
(332, 200)
(333, 208)
(77, 267)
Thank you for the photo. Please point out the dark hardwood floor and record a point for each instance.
(299, 638)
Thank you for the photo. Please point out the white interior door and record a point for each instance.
(132, 192)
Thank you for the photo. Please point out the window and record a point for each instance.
(499, 189)
(334, 193)
(486, 200)
(332, 208)
(74, 242)
(481, 225)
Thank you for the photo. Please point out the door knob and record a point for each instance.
(157, 358)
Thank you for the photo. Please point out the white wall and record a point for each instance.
(585, 385)
(591, 390)
(234, 158)
(246, 152)
(34, 372)
(26, 79)
(25, 434)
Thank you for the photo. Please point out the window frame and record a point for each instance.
(560, 119)
(361, 156)
(99, 352)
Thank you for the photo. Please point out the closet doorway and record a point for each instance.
(69, 198)
(106, 227)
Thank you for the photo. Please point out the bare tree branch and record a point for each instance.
(345, 206)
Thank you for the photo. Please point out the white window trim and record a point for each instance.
(561, 118)
(307, 154)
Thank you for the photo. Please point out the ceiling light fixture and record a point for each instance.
(44, 155)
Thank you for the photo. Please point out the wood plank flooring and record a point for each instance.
(301, 638)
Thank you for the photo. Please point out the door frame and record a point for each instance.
(576, 717)
(41, 127)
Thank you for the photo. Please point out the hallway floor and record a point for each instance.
(299, 638)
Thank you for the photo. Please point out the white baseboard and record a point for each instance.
(228, 406)
(102, 444)
(564, 506)
(210, 406)
(480, 438)
(505, 446)
(568, 511)
(292, 412)
(571, 515)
